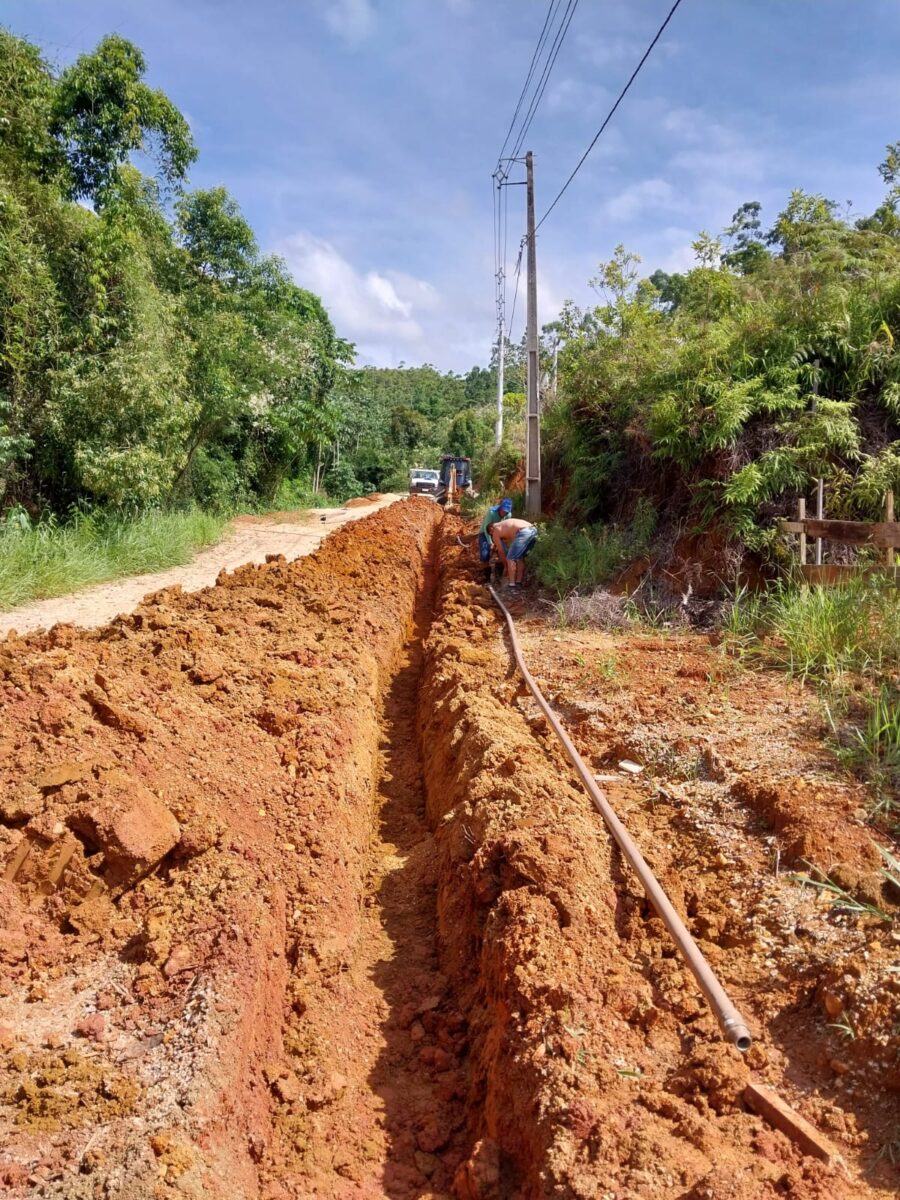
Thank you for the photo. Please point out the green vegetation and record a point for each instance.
(846, 640)
(821, 633)
(150, 353)
(395, 418)
(153, 358)
(696, 390)
(50, 560)
(566, 559)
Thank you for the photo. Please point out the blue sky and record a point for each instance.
(359, 136)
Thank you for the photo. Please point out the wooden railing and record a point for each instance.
(883, 535)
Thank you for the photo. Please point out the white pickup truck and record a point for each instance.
(423, 482)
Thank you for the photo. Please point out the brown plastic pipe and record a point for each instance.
(733, 1025)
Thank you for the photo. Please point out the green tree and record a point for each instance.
(746, 250)
(102, 112)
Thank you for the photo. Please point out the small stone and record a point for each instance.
(93, 1027)
(833, 1004)
(442, 1060)
(478, 1178)
(416, 1031)
(287, 1088)
(65, 772)
(131, 826)
(181, 959)
(427, 1163)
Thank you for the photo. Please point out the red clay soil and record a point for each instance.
(595, 1066)
(296, 907)
(194, 786)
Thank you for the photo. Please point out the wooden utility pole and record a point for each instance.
(533, 427)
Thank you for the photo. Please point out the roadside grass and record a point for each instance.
(52, 559)
(846, 641)
(820, 633)
(298, 493)
(573, 560)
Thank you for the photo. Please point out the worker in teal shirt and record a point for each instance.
(498, 513)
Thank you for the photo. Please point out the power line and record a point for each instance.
(609, 115)
(537, 50)
(545, 77)
(516, 291)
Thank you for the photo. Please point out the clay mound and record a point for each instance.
(359, 502)
(592, 1054)
(184, 833)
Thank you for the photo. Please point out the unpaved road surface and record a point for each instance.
(250, 540)
(300, 899)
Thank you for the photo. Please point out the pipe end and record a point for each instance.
(738, 1034)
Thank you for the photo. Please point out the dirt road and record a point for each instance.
(301, 899)
(250, 540)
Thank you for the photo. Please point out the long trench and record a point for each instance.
(390, 1038)
(439, 979)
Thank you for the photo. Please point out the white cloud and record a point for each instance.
(690, 124)
(379, 310)
(351, 20)
(647, 196)
(711, 149)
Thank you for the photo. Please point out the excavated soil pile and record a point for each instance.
(595, 1066)
(185, 833)
(300, 899)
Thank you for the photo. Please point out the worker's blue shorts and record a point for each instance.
(484, 547)
(522, 544)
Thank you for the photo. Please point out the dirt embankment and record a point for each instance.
(252, 539)
(185, 827)
(301, 900)
(595, 1066)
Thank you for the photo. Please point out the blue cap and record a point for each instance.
(505, 505)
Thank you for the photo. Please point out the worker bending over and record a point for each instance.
(503, 508)
(514, 539)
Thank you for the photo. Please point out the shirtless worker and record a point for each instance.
(514, 538)
(503, 508)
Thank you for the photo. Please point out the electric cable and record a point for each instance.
(537, 50)
(512, 316)
(609, 115)
(545, 77)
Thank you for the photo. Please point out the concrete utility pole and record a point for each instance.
(501, 349)
(533, 427)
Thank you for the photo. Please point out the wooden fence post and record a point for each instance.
(889, 516)
(801, 516)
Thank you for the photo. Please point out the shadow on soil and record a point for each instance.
(419, 1074)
